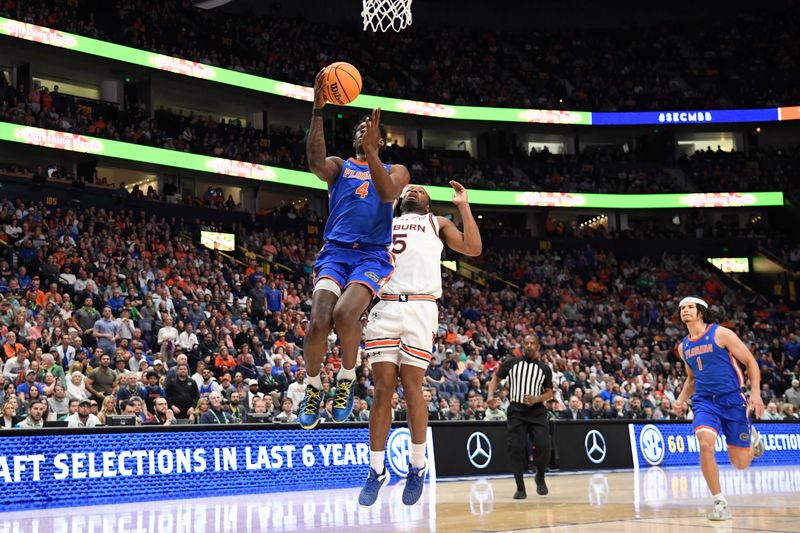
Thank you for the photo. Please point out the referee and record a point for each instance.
(530, 383)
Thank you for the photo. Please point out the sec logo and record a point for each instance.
(651, 444)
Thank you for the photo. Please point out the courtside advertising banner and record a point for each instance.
(99, 466)
(668, 445)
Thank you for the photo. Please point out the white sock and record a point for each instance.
(719, 498)
(417, 455)
(346, 373)
(376, 460)
(315, 381)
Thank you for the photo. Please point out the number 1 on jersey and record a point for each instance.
(363, 190)
(699, 363)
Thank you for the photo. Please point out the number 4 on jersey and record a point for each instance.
(363, 190)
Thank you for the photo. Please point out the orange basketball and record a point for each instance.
(344, 83)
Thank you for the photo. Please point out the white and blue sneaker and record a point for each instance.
(343, 401)
(756, 442)
(721, 512)
(308, 410)
(369, 493)
(415, 481)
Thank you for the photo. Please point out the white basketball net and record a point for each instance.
(383, 15)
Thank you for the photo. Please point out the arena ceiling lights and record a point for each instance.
(147, 154)
(87, 45)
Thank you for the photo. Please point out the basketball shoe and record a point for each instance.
(721, 512)
(308, 410)
(756, 442)
(343, 401)
(414, 483)
(369, 493)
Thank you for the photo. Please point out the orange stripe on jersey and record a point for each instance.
(693, 339)
(382, 344)
(416, 351)
(737, 369)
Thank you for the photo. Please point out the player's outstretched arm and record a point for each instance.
(727, 339)
(326, 168)
(388, 184)
(469, 242)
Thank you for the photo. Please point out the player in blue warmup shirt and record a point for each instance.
(712, 355)
(355, 261)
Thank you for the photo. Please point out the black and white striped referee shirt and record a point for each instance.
(525, 377)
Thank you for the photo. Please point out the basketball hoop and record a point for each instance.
(384, 15)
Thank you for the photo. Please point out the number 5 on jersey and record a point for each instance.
(363, 190)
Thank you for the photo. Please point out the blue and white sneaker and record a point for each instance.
(415, 481)
(343, 401)
(756, 442)
(373, 484)
(308, 410)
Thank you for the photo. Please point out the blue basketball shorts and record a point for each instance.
(371, 267)
(723, 414)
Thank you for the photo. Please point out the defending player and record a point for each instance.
(714, 382)
(403, 324)
(355, 261)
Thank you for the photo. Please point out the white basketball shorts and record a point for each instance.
(402, 332)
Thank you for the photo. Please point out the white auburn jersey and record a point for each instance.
(417, 251)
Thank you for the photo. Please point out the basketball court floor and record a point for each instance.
(652, 501)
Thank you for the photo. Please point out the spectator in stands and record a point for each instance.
(216, 414)
(260, 408)
(238, 409)
(100, 382)
(162, 414)
(792, 394)
(454, 411)
(286, 414)
(597, 410)
(36, 412)
(574, 410)
(771, 412)
(83, 418)
(182, 393)
(9, 413)
(58, 403)
(108, 407)
(131, 389)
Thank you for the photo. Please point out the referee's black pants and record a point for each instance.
(520, 427)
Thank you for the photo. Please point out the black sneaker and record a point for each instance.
(541, 487)
(520, 495)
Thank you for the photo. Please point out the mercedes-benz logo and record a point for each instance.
(479, 450)
(595, 446)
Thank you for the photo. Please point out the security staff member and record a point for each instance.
(530, 383)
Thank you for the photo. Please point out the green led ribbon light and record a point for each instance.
(240, 169)
(87, 45)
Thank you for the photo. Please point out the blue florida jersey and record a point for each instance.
(715, 369)
(356, 213)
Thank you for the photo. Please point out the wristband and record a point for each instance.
(316, 112)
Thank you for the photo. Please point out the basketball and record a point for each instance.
(344, 83)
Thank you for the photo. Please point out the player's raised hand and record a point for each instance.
(371, 140)
(320, 84)
(459, 194)
(756, 405)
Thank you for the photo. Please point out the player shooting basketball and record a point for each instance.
(714, 382)
(402, 326)
(355, 262)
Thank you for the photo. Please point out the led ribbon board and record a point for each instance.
(215, 165)
(185, 67)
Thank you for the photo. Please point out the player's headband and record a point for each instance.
(692, 300)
